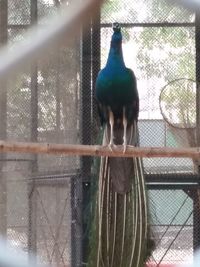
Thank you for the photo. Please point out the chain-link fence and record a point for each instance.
(44, 199)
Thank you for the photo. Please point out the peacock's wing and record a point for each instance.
(120, 230)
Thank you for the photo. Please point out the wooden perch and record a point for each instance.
(97, 150)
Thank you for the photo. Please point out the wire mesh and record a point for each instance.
(53, 224)
(152, 11)
(41, 197)
(43, 104)
(172, 226)
(18, 12)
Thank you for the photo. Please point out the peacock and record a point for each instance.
(120, 233)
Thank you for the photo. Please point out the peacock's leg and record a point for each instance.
(125, 129)
(111, 122)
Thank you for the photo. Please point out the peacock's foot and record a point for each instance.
(111, 145)
(125, 123)
(125, 147)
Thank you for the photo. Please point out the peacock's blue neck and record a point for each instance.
(115, 58)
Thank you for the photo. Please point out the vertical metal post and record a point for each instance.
(58, 98)
(197, 41)
(34, 91)
(32, 197)
(76, 225)
(86, 73)
(58, 89)
(196, 194)
(3, 119)
(90, 64)
(95, 66)
(77, 193)
(86, 106)
(96, 61)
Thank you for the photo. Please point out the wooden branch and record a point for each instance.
(97, 150)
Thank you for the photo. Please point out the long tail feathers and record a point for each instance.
(121, 220)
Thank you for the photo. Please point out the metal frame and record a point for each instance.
(32, 196)
(90, 65)
(150, 25)
(3, 117)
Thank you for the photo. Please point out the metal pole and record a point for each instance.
(86, 90)
(196, 193)
(96, 62)
(86, 97)
(95, 66)
(76, 225)
(91, 60)
(3, 119)
(32, 197)
(78, 242)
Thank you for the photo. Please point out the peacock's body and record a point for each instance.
(120, 233)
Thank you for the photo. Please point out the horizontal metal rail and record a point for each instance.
(151, 24)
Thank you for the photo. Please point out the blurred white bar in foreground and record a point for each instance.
(195, 261)
(38, 41)
(11, 257)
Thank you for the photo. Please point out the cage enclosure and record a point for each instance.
(44, 199)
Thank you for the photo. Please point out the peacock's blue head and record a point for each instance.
(117, 36)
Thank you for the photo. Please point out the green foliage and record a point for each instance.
(58, 85)
(18, 115)
(167, 52)
(126, 35)
(109, 8)
(178, 100)
(160, 10)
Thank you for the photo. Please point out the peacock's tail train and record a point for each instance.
(120, 234)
